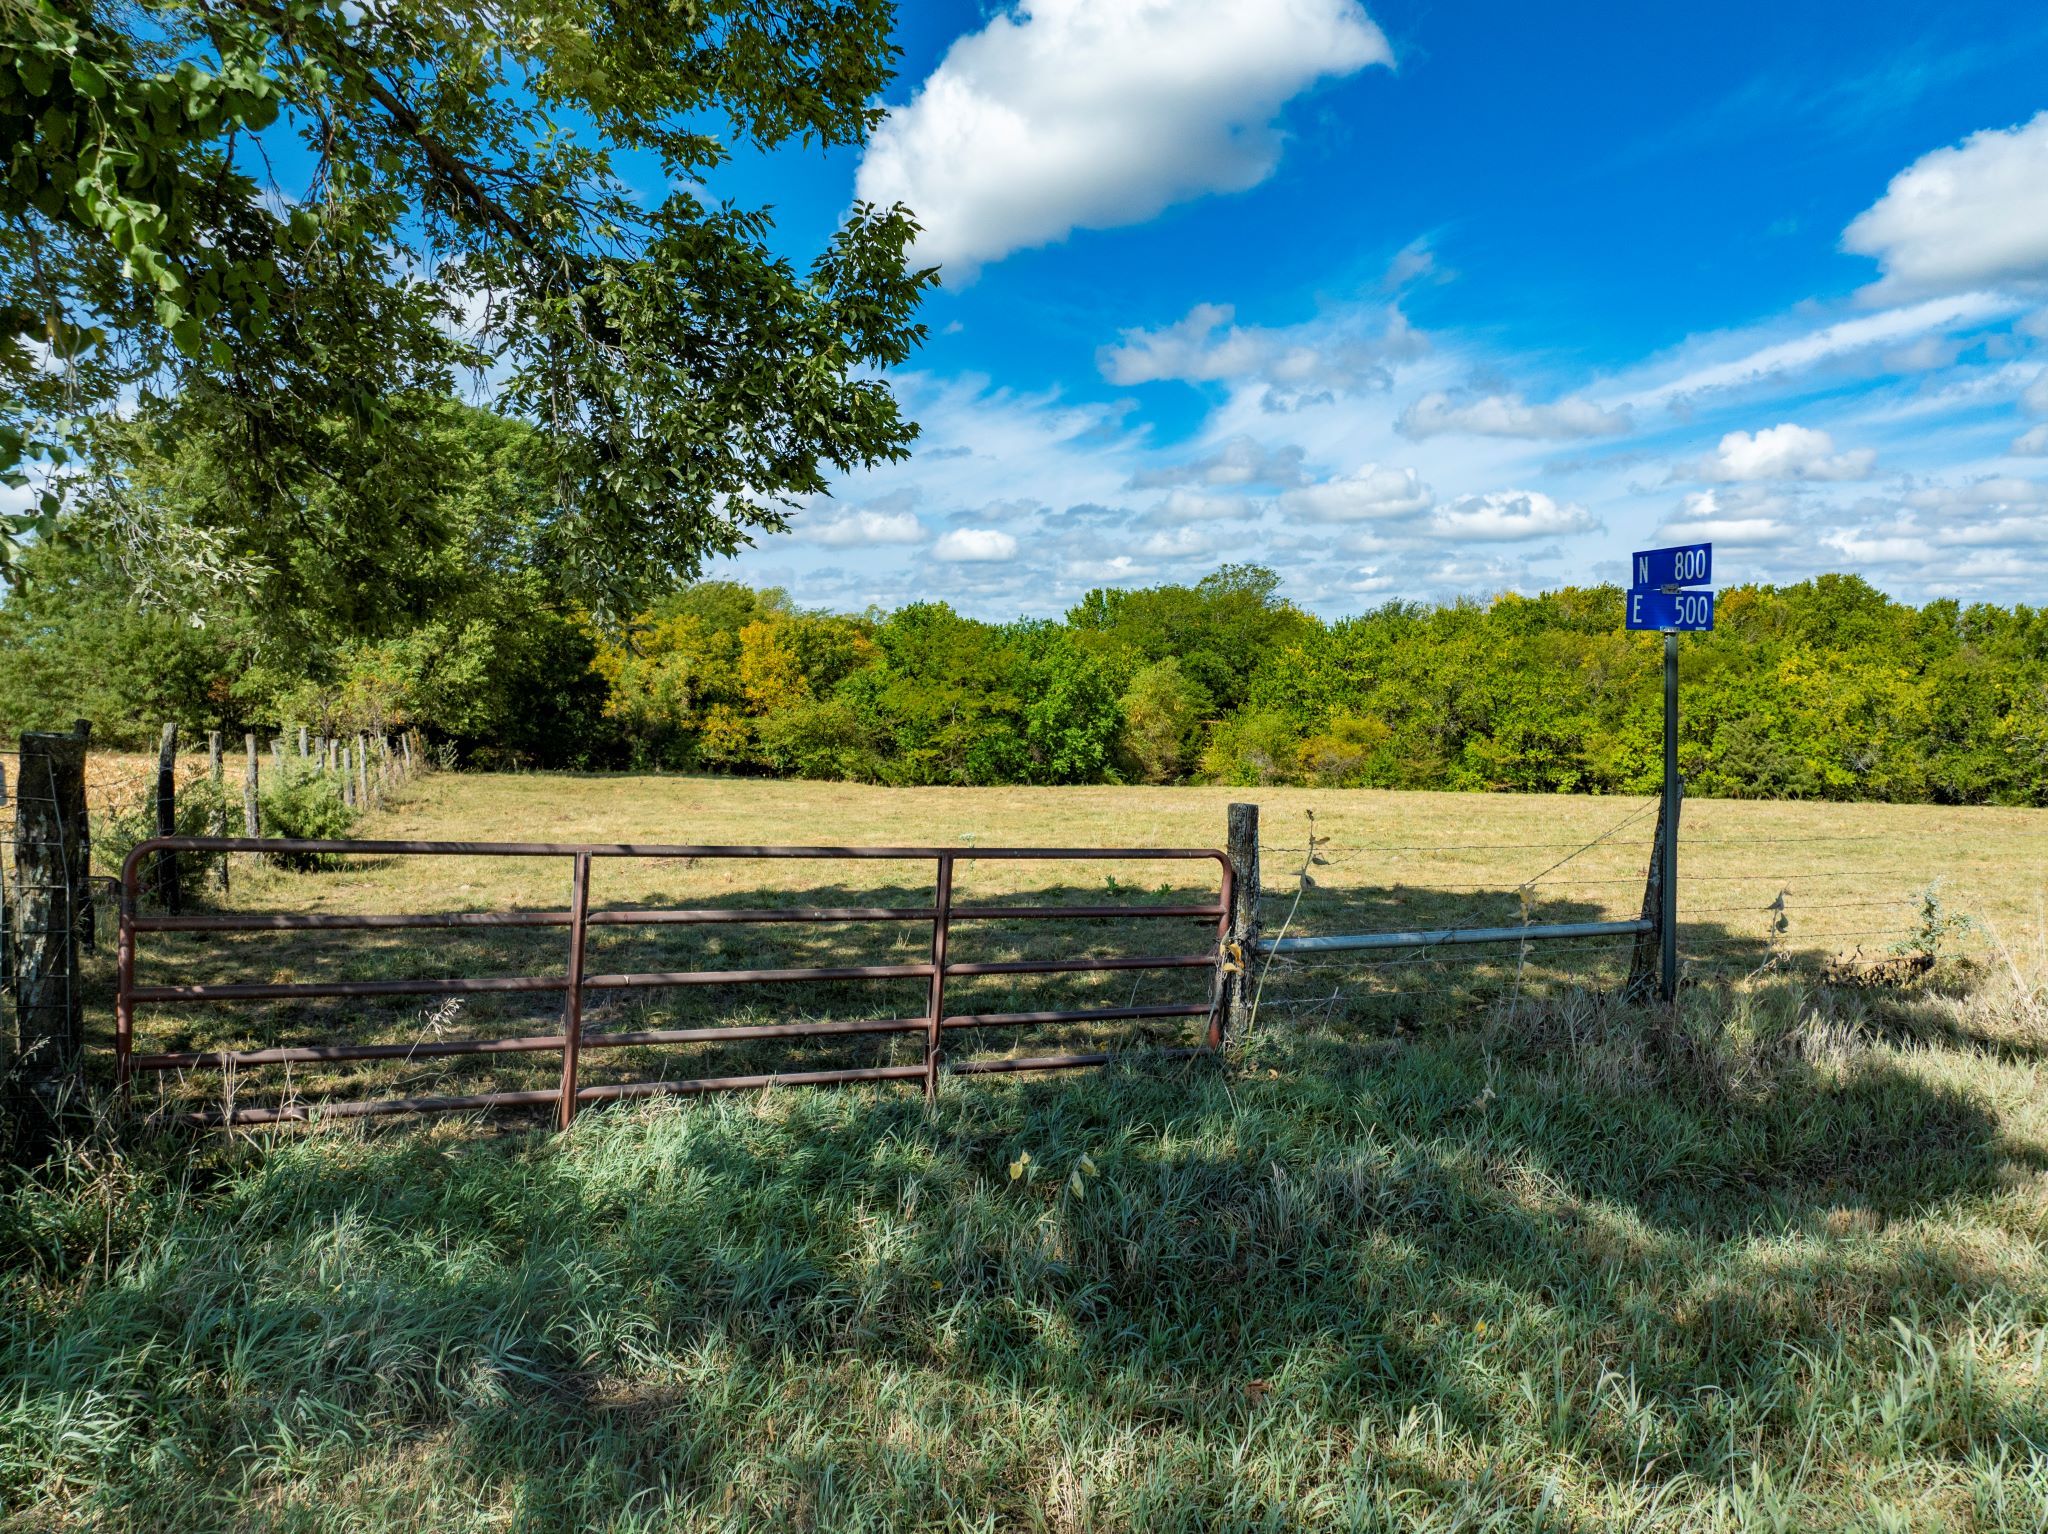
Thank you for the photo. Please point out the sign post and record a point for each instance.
(1657, 601)
(1667, 916)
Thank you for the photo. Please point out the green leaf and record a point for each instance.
(35, 72)
(88, 79)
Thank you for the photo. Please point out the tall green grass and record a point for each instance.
(1778, 1265)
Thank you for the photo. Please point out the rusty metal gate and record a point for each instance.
(575, 984)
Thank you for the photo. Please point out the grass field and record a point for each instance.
(1453, 1244)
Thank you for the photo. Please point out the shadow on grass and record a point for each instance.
(1320, 1270)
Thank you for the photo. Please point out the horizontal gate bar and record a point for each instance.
(1067, 1062)
(1535, 932)
(323, 921)
(300, 1113)
(660, 850)
(1027, 912)
(1083, 966)
(428, 1048)
(309, 989)
(743, 1083)
(1095, 1015)
(292, 990)
(341, 921)
(643, 981)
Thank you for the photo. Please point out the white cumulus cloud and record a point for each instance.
(1369, 494)
(1178, 543)
(1297, 363)
(1509, 415)
(1712, 516)
(1972, 213)
(1066, 114)
(975, 546)
(1197, 506)
(856, 529)
(1239, 461)
(1783, 452)
(1508, 516)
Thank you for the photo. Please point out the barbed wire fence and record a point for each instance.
(69, 815)
(1751, 899)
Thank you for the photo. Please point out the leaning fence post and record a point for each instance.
(1646, 958)
(935, 1015)
(572, 1004)
(1240, 949)
(168, 894)
(6, 925)
(50, 850)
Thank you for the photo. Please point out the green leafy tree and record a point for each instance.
(1163, 709)
(449, 192)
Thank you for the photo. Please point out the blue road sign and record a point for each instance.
(1690, 564)
(1682, 612)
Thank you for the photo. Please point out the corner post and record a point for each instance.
(50, 850)
(1240, 946)
(168, 892)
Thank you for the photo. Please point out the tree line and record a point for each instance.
(457, 625)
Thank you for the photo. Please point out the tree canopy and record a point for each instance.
(291, 226)
(1827, 689)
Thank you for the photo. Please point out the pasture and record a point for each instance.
(1449, 1242)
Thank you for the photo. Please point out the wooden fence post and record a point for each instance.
(80, 811)
(362, 770)
(405, 742)
(217, 769)
(1241, 950)
(252, 818)
(6, 930)
(302, 743)
(168, 892)
(1646, 959)
(50, 852)
(277, 755)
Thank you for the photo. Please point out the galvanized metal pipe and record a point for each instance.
(1534, 932)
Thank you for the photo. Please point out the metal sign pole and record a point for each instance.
(1665, 597)
(1667, 980)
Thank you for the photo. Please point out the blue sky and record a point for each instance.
(1419, 301)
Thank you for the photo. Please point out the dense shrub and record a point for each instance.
(302, 804)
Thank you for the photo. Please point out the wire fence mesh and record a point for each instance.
(1754, 894)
